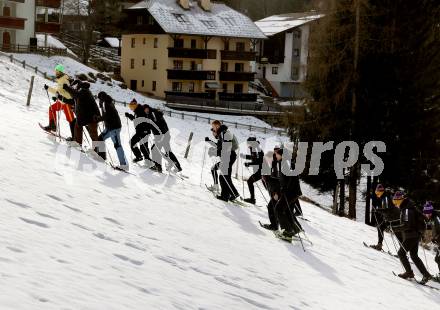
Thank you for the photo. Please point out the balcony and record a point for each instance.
(54, 4)
(190, 75)
(244, 97)
(43, 27)
(12, 22)
(191, 53)
(237, 76)
(235, 55)
(20, 1)
(175, 94)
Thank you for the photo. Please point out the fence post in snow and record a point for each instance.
(24, 64)
(31, 87)
(189, 144)
(12, 58)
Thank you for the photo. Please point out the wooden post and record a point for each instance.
(24, 64)
(189, 144)
(31, 87)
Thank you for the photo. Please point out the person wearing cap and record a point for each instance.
(143, 130)
(384, 212)
(62, 101)
(412, 225)
(433, 217)
(112, 128)
(212, 152)
(86, 110)
(226, 146)
(255, 160)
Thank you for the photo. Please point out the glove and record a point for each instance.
(247, 164)
(54, 98)
(129, 116)
(207, 139)
(46, 87)
(64, 86)
(60, 97)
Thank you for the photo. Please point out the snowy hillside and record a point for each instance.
(76, 235)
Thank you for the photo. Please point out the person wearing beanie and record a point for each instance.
(433, 217)
(255, 160)
(63, 101)
(112, 128)
(86, 110)
(384, 212)
(412, 225)
(143, 130)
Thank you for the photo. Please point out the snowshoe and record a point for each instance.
(249, 200)
(232, 198)
(268, 226)
(213, 188)
(137, 159)
(425, 279)
(377, 247)
(157, 168)
(220, 197)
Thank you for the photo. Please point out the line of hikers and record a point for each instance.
(401, 216)
(77, 102)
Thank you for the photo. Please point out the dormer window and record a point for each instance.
(209, 23)
(181, 18)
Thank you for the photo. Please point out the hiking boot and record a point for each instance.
(50, 127)
(250, 200)
(137, 159)
(269, 227)
(407, 275)
(232, 198)
(377, 247)
(157, 168)
(288, 233)
(425, 279)
(220, 197)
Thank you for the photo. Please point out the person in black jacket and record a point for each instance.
(272, 184)
(411, 225)
(162, 139)
(112, 130)
(227, 147)
(143, 130)
(384, 212)
(433, 217)
(256, 160)
(289, 191)
(86, 111)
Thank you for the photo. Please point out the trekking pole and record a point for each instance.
(295, 223)
(259, 188)
(106, 150)
(380, 231)
(50, 107)
(129, 137)
(426, 261)
(203, 164)
(391, 227)
(242, 177)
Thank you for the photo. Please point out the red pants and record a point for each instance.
(57, 106)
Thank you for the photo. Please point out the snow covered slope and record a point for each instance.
(75, 235)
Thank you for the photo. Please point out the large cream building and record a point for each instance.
(190, 49)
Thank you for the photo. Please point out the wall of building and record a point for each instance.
(22, 10)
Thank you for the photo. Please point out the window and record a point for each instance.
(191, 87)
(193, 43)
(209, 23)
(153, 88)
(133, 42)
(140, 20)
(238, 88)
(193, 65)
(239, 67)
(224, 67)
(143, 83)
(296, 34)
(181, 18)
(132, 63)
(150, 20)
(240, 47)
(178, 64)
(227, 45)
(143, 62)
(296, 52)
(178, 43)
(144, 41)
(156, 43)
(229, 21)
(274, 70)
(295, 73)
(177, 86)
(225, 87)
(154, 64)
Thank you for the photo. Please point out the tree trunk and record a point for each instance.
(352, 192)
(368, 202)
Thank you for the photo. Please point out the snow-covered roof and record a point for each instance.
(221, 21)
(278, 23)
(113, 42)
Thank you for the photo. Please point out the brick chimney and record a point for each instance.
(184, 4)
(205, 4)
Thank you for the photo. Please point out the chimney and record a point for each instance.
(184, 4)
(205, 4)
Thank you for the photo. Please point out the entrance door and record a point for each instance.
(133, 85)
(6, 11)
(6, 43)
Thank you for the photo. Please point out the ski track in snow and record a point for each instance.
(77, 235)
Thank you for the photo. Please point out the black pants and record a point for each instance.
(381, 227)
(286, 216)
(437, 257)
(271, 213)
(72, 128)
(214, 172)
(411, 245)
(228, 189)
(254, 178)
(144, 150)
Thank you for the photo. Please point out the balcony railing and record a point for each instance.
(235, 55)
(173, 94)
(55, 4)
(191, 53)
(43, 27)
(21, 1)
(190, 75)
(237, 76)
(12, 22)
(245, 97)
